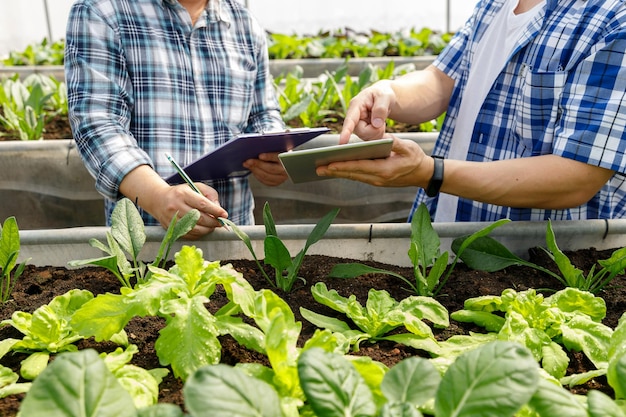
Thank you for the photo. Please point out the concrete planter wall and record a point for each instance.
(46, 186)
(387, 243)
(314, 67)
(311, 67)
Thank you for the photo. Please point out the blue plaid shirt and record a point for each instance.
(142, 82)
(563, 92)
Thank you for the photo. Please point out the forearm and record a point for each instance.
(547, 182)
(421, 95)
(145, 187)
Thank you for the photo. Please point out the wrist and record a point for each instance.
(436, 180)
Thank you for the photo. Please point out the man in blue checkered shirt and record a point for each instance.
(150, 77)
(535, 98)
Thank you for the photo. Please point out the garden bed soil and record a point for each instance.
(40, 284)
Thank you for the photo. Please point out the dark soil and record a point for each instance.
(39, 285)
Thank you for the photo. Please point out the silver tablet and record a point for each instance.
(301, 164)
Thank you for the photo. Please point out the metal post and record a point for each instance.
(447, 15)
(45, 6)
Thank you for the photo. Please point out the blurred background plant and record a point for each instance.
(34, 107)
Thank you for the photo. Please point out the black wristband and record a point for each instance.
(434, 185)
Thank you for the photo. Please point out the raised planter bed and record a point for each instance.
(386, 243)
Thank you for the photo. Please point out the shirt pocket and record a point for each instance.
(238, 95)
(538, 110)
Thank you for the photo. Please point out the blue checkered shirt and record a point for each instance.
(142, 82)
(563, 92)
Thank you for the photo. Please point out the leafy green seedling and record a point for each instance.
(595, 281)
(47, 330)
(142, 384)
(24, 108)
(76, 384)
(487, 254)
(429, 264)
(276, 253)
(569, 318)
(380, 316)
(9, 252)
(126, 239)
(179, 295)
(9, 384)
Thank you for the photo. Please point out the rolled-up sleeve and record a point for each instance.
(100, 100)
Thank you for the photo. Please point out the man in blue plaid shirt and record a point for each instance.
(150, 77)
(535, 98)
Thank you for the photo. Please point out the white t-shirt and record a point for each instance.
(494, 50)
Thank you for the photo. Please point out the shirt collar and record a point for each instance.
(214, 9)
(216, 12)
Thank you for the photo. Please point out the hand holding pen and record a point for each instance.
(188, 180)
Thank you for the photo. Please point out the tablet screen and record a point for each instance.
(301, 164)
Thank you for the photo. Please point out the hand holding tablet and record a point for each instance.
(301, 164)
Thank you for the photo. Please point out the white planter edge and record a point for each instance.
(384, 242)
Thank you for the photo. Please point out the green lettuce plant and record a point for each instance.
(280, 343)
(381, 315)
(568, 319)
(190, 336)
(127, 237)
(47, 330)
(9, 384)
(142, 384)
(286, 267)
(430, 267)
(9, 253)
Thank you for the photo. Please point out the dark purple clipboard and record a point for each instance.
(227, 160)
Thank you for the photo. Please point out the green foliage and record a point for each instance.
(343, 44)
(43, 53)
(47, 330)
(569, 318)
(9, 252)
(78, 384)
(28, 105)
(126, 239)
(500, 378)
(595, 281)
(9, 384)
(429, 264)
(277, 255)
(326, 98)
(380, 316)
(487, 254)
(338, 44)
(496, 379)
(190, 337)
